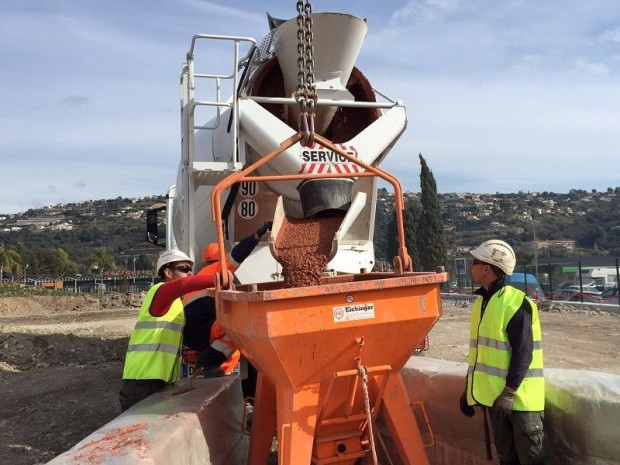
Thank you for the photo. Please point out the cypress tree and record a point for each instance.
(392, 238)
(411, 219)
(383, 215)
(430, 237)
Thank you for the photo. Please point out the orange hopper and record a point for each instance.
(329, 356)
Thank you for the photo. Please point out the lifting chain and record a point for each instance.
(306, 91)
(362, 371)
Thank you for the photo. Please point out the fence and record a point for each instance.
(561, 279)
(89, 285)
(590, 280)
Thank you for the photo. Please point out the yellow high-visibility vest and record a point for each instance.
(490, 353)
(154, 350)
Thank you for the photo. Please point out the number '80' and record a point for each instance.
(247, 209)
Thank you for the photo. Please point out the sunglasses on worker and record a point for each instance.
(477, 262)
(182, 268)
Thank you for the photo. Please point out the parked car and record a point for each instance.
(575, 295)
(451, 288)
(589, 286)
(565, 284)
(586, 284)
(610, 295)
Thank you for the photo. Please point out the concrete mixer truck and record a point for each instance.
(262, 111)
(299, 143)
(300, 139)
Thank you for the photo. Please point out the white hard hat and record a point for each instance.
(498, 253)
(171, 256)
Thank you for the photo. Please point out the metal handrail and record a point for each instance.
(325, 102)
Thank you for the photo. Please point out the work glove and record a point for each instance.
(466, 409)
(502, 407)
(209, 361)
(264, 228)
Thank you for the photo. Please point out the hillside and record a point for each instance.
(579, 223)
(116, 225)
(576, 224)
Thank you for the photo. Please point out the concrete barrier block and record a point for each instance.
(201, 426)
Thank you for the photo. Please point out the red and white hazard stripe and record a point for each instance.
(325, 168)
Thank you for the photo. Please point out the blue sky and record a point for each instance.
(502, 96)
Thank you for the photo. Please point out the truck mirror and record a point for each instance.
(151, 226)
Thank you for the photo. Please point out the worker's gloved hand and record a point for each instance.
(209, 361)
(502, 407)
(213, 373)
(264, 228)
(466, 409)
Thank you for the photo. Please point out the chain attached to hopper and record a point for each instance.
(362, 372)
(305, 95)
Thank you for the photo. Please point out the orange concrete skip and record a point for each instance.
(202, 426)
(298, 336)
(325, 353)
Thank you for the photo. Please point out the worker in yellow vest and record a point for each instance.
(153, 358)
(505, 373)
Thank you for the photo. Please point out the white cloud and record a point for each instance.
(417, 11)
(585, 66)
(75, 100)
(611, 35)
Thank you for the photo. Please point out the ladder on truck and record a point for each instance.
(211, 172)
(198, 173)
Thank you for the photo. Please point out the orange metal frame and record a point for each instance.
(312, 344)
(402, 262)
(307, 389)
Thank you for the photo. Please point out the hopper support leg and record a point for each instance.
(399, 417)
(297, 415)
(264, 422)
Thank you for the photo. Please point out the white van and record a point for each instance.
(603, 277)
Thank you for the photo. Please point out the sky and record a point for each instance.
(502, 96)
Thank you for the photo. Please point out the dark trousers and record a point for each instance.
(135, 390)
(520, 439)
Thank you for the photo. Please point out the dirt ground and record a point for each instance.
(61, 361)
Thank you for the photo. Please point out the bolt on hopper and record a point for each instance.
(329, 355)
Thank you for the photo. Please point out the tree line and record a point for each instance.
(19, 260)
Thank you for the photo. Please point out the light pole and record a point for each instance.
(134, 270)
(25, 272)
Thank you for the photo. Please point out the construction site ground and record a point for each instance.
(61, 361)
